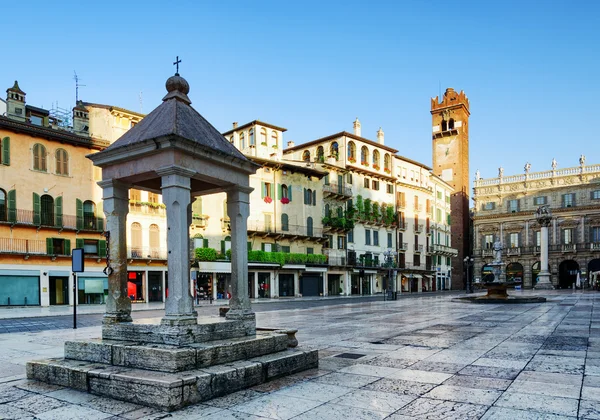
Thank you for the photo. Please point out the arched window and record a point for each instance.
(242, 141)
(334, 150)
(444, 125)
(136, 240)
(251, 136)
(3, 205)
(306, 156)
(62, 162)
(154, 241)
(327, 210)
(364, 155)
(263, 136)
(352, 152)
(285, 220)
(309, 226)
(231, 139)
(387, 163)
(320, 154)
(308, 196)
(89, 215)
(39, 157)
(376, 159)
(275, 139)
(47, 210)
(284, 191)
(451, 124)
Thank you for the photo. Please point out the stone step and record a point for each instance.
(170, 391)
(168, 358)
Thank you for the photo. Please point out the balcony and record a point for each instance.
(403, 246)
(418, 208)
(513, 251)
(418, 227)
(258, 228)
(418, 248)
(51, 220)
(401, 205)
(333, 259)
(401, 225)
(22, 246)
(200, 221)
(156, 209)
(338, 224)
(338, 191)
(446, 250)
(146, 253)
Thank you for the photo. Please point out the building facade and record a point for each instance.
(504, 209)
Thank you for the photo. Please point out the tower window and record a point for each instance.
(444, 125)
(451, 124)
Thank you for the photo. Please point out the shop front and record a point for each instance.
(19, 288)
(286, 285)
(135, 286)
(92, 290)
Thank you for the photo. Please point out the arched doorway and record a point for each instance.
(535, 272)
(567, 274)
(514, 273)
(594, 272)
(487, 274)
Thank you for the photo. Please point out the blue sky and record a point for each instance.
(529, 68)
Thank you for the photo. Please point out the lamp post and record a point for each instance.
(468, 263)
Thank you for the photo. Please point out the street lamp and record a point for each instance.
(468, 263)
(389, 262)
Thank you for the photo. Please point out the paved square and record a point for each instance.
(418, 357)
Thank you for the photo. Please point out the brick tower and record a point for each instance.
(450, 138)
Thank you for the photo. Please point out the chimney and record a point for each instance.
(235, 125)
(380, 136)
(357, 127)
(81, 120)
(291, 144)
(15, 103)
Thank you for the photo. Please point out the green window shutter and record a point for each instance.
(222, 247)
(102, 248)
(279, 192)
(49, 246)
(249, 246)
(263, 190)
(79, 243)
(79, 213)
(205, 243)
(6, 151)
(314, 202)
(12, 206)
(100, 217)
(262, 246)
(290, 192)
(305, 196)
(67, 247)
(58, 211)
(36, 210)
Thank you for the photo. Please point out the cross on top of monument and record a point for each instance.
(176, 63)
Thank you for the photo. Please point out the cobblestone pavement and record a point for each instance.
(427, 357)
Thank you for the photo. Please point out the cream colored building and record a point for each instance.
(504, 210)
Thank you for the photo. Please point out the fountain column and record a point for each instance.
(544, 218)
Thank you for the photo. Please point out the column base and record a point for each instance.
(242, 314)
(543, 282)
(116, 317)
(173, 320)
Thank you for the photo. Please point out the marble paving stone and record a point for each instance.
(346, 379)
(236, 398)
(108, 405)
(389, 362)
(277, 406)
(479, 383)
(543, 403)
(73, 413)
(550, 378)
(589, 409)
(592, 370)
(37, 404)
(490, 372)
(591, 381)
(501, 363)
(502, 413)
(315, 391)
(420, 376)
(336, 411)
(462, 394)
(379, 371)
(274, 385)
(564, 353)
(374, 400)
(196, 411)
(426, 408)
(336, 363)
(11, 393)
(9, 412)
(591, 394)
(399, 386)
(540, 388)
(565, 368)
(230, 415)
(144, 413)
(71, 396)
(38, 387)
(437, 366)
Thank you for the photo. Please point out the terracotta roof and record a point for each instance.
(341, 134)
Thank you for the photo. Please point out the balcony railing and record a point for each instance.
(336, 260)
(147, 253)
(446, 250)
(418, 227)
(51, 220)
(515, 250)
(147, 208)
(403, 246)
(292, 230)
(402, 225)
(338, 189)
(418, 208)
(418, 248)
(401, 204)
(22, 246)
(199, 220)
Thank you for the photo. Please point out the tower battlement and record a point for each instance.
(450, 99)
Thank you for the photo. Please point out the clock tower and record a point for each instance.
(450, 138)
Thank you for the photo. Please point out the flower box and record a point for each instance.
(285, 200)
(268, 200)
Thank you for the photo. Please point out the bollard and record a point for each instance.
(25, 301)
(9, 301)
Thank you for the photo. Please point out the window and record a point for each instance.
(267, 247)
(567, 236)
(267, 190)
(309, 226)
(328, 241)
(334, 150)
(310, 197)
(154, 241)
(90, 247)
(376, 238)
(340, 212)
(153, 198)
(306, 156)
(327, 210)
(595, 236)
(538, 201)
(285, 249)
(451, 124)
(351, 152)
(390, 188)
(488, 241)
(285, 191)
(251, 137)
(439, 195)
(310, 250)
(263, 136)
(3, 205)
(538, 238)
(340, 242)
(242, 141)
(349, 178)
(47, 210)
(364, 156)
(367, 237)
(514, 240)
(513, 206)
(389, 236)
(367, 183)
(200, 242)
(375, 185)
(89, 215)
(320, 154)
(489, 206)
(568, 200)
(595, 195)
(285, 222)
(387, 167)
(376, 159)
(135, 195)
(444, 125)
(39, 158)
(62, 162)
(448, 262)
(136, 240)
(416, 260)
(5, 151)
(231, 139)
(275, 139)
(351, 236)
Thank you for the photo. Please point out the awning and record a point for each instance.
(415, 276)
(294, 267)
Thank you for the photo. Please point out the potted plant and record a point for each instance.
(285, 200)
(352, 159)
(268, 200)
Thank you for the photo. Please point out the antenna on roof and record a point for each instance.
(77, 85)
(141, 102)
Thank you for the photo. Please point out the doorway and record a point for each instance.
(286, 285)
(567, 274)
(155, 286)
(59, 290)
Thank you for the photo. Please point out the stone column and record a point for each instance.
(238, 209)
(175, 188)
(544, 275)
(116, 206)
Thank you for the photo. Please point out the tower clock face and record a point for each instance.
(444, 151)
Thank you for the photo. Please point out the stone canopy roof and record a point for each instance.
(175, 117)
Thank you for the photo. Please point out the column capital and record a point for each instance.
(238, 193)
(112, 188)
(175, 170)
